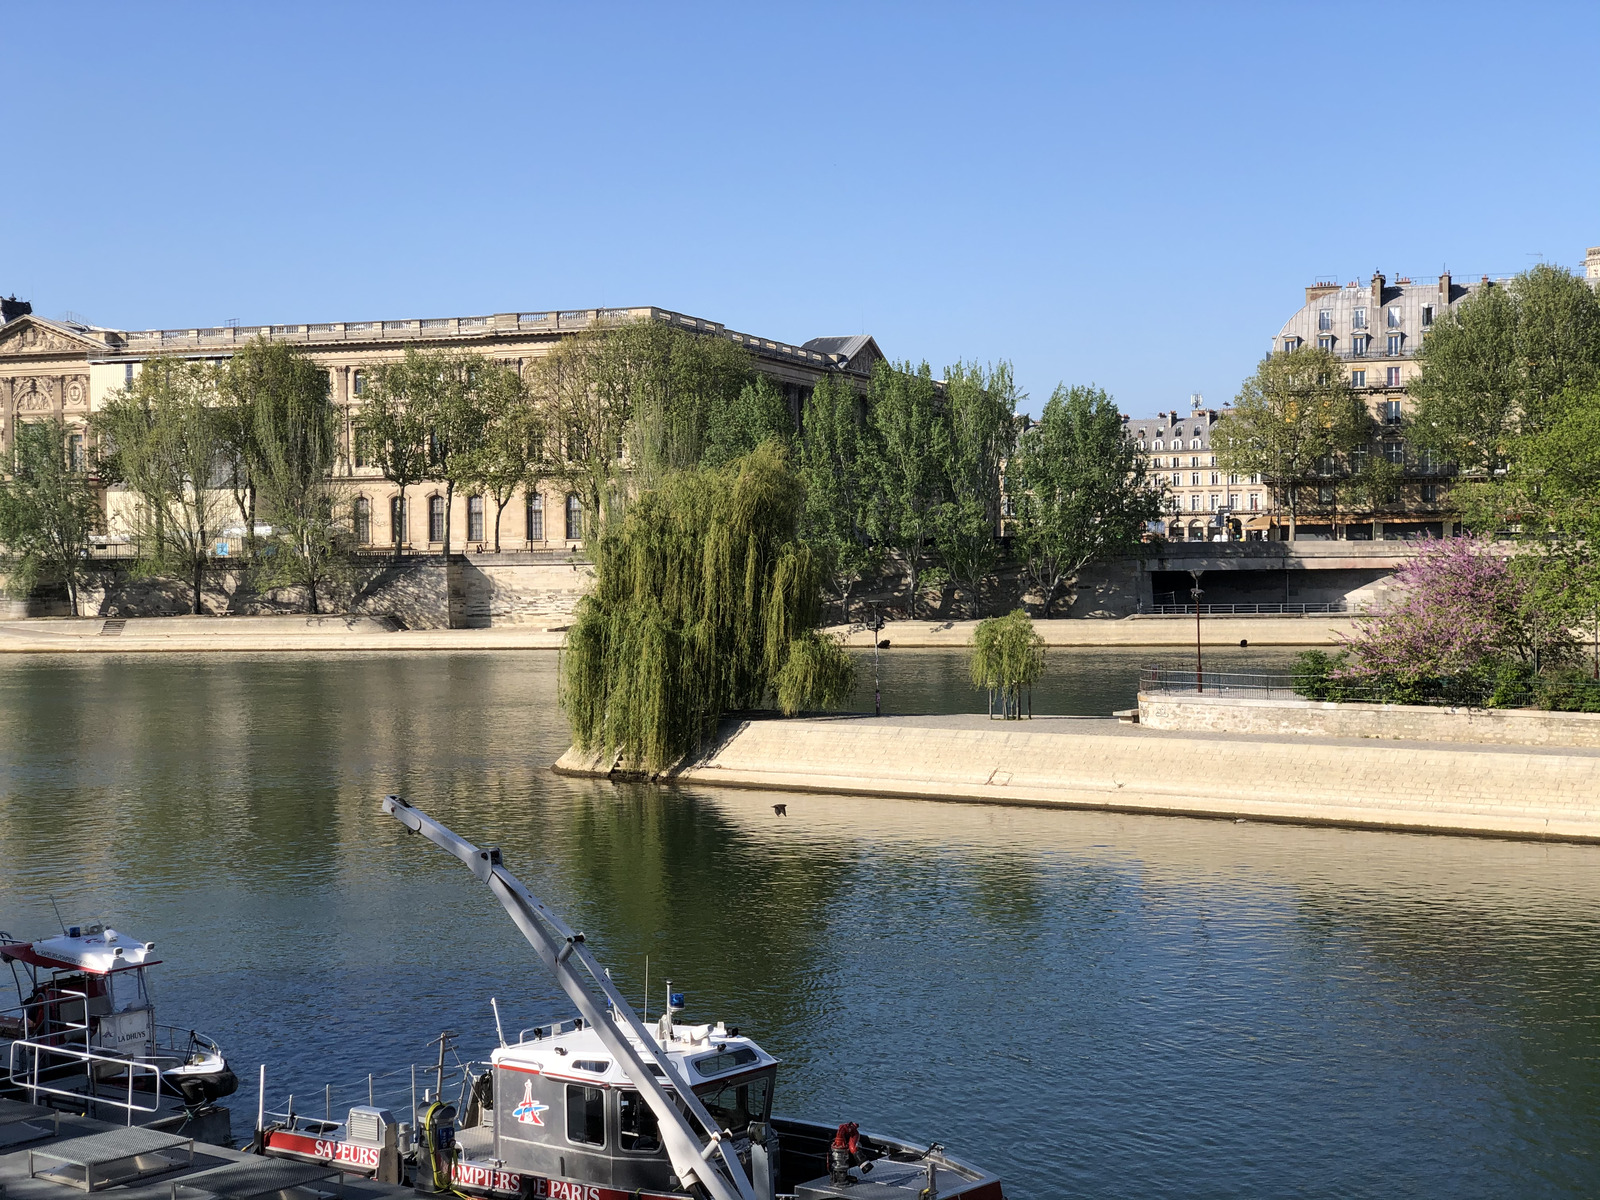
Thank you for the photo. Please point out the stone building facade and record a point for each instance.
(65, 369)
(1204, 503)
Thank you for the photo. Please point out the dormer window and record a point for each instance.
(1394, 317)
(1358, 319)
(1427, 315)
(1325, 319)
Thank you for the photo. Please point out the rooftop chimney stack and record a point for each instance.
(1444, 292)
(1377, 294)
(11, 308)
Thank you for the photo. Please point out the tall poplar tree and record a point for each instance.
(974, 440)
(905, 428)
(835, 473)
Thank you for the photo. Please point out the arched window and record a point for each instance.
(360, 383)
(397, 520)
(474, 518)
(363, 521)
(574, 518)
(536, 518)
(436, 518)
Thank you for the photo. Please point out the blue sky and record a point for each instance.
(1130, 195)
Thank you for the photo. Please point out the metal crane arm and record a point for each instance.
(558, 946)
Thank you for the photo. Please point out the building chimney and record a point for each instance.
(1444, 292)
(1591, 265)
(1320, 289)
(11, 308)
(1377, 294)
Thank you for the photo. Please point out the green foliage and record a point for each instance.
(1568, 691)
(833, 468)
(510, 451)
(973, 442)
(757, 413)
(167, 441)
(704, 604)
(1292, 413)
(392, 423)
(902, 454)
(1079, 488)
(1007, 652)
(47, 511)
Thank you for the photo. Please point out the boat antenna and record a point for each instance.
(59, 921)
(713, 1164)
(499, 1032)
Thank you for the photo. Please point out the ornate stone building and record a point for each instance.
(65, 369)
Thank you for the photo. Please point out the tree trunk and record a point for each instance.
(394, 527)
(911, 572)
(449, 505)
(199, 572)
(250, 522)
(499, 507)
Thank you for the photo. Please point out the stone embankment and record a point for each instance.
(211, 634)
(1315, 630)
(1204, 712)
(1100, 764)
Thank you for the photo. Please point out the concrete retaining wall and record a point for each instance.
(1192, 712)
(1099, 764)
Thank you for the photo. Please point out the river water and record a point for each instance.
(1090, 1004)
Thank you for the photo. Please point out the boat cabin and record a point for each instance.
(85, 988)
(560, 1106)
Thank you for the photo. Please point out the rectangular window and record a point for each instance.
(1216, 502)
(436, 518)
(1358, 457)
(1233, 501)
(1194, 461)
(360, 383)
(75, 453)
(1391, 412)
(536, 518)
(1325, 319)
(1194, 501)
(1194, 479)
(1288, 344)
(1358, 344)
(474, 518)
(1216, 478)
(1325, 343)
(1394, 318)
(1430, 464)
(1358, 319)
(1325, 495)
(127, 374)
(1427, 315)
(363, 521)
(397, 520)
(1395, 452)
(636, 1124)
(1430, 493)
(1394, 344)
(586, 1114)
(1255, 501)
(1394, 376)
(1177, 479)
(1358, 379)
(358, 447)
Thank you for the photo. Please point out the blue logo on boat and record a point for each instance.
(528, 1111)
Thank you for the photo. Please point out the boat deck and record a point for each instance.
(45, 1155)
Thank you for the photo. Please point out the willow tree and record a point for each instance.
(705, 604)
(1007, 657)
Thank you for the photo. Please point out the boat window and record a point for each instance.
(127, 991)
(736, 1103)
(598, 1065)
(636, 1127)
(728, 1060)
(586, 1115)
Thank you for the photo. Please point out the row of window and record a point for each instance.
(1216, 479)
(1194, 461)
(534, 515)
(1177, 444)
(1358, 317)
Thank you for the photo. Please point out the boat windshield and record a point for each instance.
(128, 990)
(736, 1103)
(637, 1127)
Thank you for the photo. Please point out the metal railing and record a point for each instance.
(86, 1094)
(1443, 692)
(1248, 610)
(1162, 680)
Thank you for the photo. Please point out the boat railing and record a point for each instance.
(183, 1042)
(40, 1060)
(403, 1092)
(58, 1032)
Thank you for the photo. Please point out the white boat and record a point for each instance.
(83, 1032)
(606, 1107)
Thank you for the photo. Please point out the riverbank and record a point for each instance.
(299, 632)
(1098, 763)
(1289, 630)
(253, 634)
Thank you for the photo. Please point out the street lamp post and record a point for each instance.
(877, 691)
(1195, 593)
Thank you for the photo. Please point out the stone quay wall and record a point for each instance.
(1202, 712)
(1099, 764)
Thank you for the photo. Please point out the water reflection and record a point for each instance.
(1096, 1004)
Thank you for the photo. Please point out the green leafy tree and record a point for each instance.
(510, 453)
(392, 424)
(757, 413)
(1079, 489)
(834, 472)
(705, 603)
(905, 428)
(974, 441)
(48, 510)
(1290, 415)
(1007, 657)
(456, 419)
(289, 452)
(166, 443)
